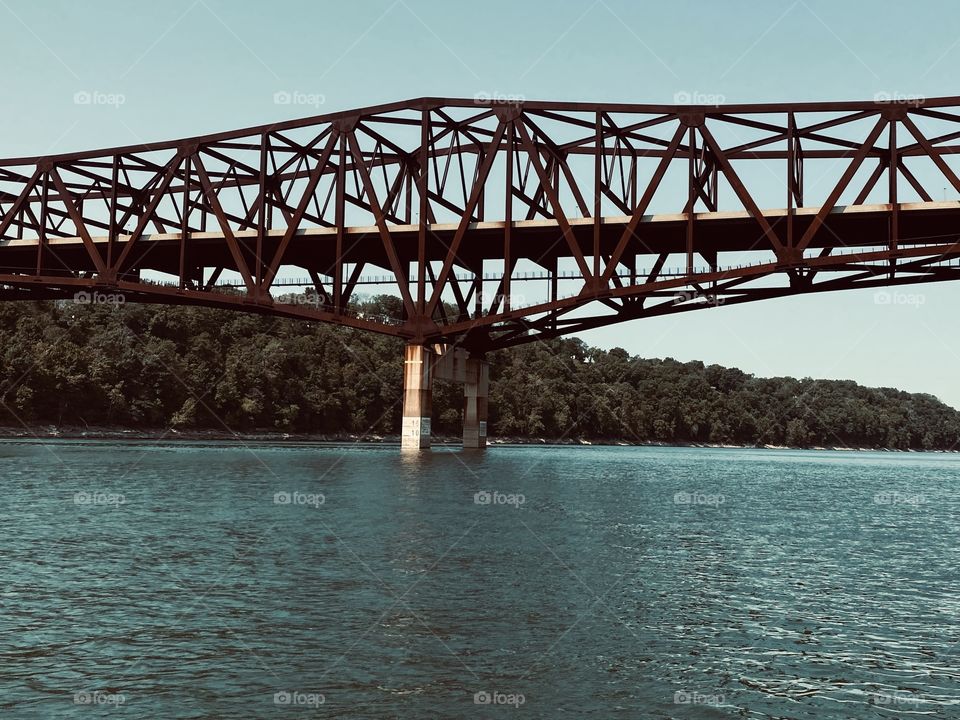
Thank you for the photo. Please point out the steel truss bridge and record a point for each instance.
(456, 207)
(446, 201)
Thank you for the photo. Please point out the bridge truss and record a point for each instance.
(611, 212)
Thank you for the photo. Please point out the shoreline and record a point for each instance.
(52, 432)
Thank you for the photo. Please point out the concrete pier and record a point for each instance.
(475, 392)
(421, 366)
(417, 397)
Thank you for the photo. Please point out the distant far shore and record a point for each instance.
(51, 432)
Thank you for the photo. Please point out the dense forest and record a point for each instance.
(146, 366)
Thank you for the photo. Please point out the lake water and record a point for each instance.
(189, 580)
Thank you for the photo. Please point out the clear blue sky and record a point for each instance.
(187, 67)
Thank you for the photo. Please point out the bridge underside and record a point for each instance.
(484, 314)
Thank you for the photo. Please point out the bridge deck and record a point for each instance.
(537, 240)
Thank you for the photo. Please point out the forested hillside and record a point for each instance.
(144, 366)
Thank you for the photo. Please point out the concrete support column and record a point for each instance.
(417, 397)
(475, 392)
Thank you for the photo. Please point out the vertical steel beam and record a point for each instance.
(339, 211)
(894, 162)
(597, 159)
(185, 226)
(508, 220)
(42, 237)
(262, 214)
(113, 229)
(691, 195)
(423, 184)
(791, 159)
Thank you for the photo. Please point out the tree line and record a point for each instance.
(154, 366)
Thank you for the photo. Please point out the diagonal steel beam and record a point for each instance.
(932, 152)
(78, 221)
(642, 206)
(22, 198)
(740, 189)
(158, 195)
(211, 194)
(547, 187)
(293, 223)
(841, 185)
(388, 246)
(475, 194)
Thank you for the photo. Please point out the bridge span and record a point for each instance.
(496, 224)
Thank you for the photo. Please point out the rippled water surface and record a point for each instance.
(184, 580)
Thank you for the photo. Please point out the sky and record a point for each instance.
(158, 71)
